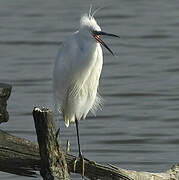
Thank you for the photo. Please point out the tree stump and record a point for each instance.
(53, 163)
(5, 91)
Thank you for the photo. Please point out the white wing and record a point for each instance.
(63, 69)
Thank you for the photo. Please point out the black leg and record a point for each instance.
(80, 154)
(78, 138)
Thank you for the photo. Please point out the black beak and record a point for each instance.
(96, 35)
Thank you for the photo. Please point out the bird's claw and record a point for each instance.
(83, 163)
(74, 166)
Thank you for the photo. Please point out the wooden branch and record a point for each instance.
(171, 174)
(21, 156)
(53, 163)
(96, 171)
(18, 156)
(5, 91)
(52, 158)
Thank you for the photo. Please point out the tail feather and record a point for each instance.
(68, 120)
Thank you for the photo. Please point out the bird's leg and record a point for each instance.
(78, 138)
(79, 150)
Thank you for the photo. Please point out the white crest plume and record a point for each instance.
(90, 14)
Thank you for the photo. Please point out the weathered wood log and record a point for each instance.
(21, 156)
(171, 174)
(5, 91)
(52, 158)
(18, 156)
(53, 163)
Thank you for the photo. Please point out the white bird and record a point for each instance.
(77, 71)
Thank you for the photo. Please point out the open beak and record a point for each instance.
(96, 35)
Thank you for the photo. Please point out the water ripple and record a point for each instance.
(155, 36)
(127, 141)
(30, 43)
(140, 94)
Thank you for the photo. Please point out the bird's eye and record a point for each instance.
(96, 32)
(92, 32)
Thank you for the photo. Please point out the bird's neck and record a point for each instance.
(86, 42)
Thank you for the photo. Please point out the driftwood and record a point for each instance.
(5, 91)
(52, 158)
(21, 156)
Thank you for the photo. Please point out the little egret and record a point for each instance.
(77, 71)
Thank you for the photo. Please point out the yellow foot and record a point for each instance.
(81, 159)
(83, 167)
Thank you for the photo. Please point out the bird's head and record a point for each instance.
(90, 29)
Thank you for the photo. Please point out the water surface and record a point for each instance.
(138, 127)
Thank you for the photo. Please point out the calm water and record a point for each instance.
(138, 127)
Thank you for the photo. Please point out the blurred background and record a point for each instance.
(138, 127)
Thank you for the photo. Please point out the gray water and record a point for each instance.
(138, 127)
